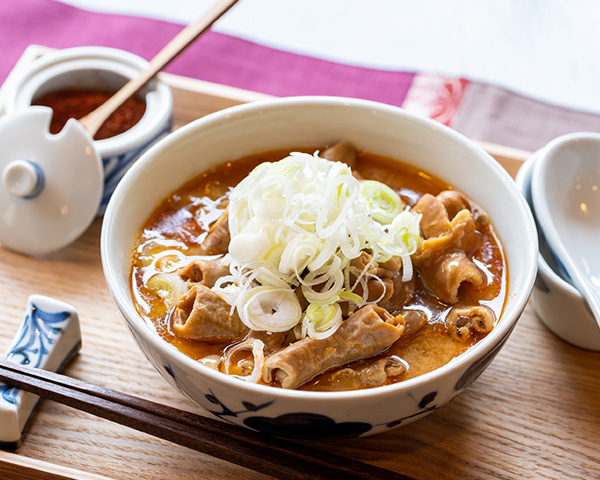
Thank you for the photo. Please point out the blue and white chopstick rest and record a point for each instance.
(49, 337)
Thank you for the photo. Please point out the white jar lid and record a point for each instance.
(50, 185)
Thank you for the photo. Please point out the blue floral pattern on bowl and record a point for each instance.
(306, 426)
(296, 425)
(262, 412)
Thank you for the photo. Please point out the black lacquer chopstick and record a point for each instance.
(273, 456)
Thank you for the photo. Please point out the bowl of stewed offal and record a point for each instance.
(319, 266)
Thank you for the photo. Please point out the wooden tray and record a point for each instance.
(534, 413)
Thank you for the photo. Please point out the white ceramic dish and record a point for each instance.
(104, 69)
(566, 200)
(309, 121)
(48, 337)
(50, 185)
(558, 304)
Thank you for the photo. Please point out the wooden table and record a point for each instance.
(534, 413)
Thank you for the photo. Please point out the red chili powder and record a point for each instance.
(77, 103)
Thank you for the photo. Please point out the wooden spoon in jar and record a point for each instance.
(94, 120)
(51, 186)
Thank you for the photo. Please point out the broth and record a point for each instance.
(172, 234)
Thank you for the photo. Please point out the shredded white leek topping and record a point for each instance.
(295, 225)
(257, 348)
(168, 286)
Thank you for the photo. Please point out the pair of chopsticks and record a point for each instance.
(272, 456)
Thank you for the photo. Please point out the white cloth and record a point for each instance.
(545, 49)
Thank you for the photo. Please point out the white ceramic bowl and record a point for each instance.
(309, 121)
(99, 68)
(559, 304)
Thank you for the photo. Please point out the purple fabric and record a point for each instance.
(484, 112)
(214, 57)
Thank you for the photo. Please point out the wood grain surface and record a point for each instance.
(534, 413)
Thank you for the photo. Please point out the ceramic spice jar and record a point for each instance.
(97, 69)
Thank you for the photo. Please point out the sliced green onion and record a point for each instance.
(270, 309)
(273, 255)
(320, 313)
(168, 286)
(298, 223)
(248, 246)
(321, 321)
(257, 347)
(351, 296)
(211, 361)
(385, 203)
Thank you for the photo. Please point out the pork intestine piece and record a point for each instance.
(217, 238)
(240, 355)
(344, 152)
(401, 294)
(453, 202)
(434, 216)
(363, 334)
(205, 272)
(201, 314)
(442, 260)
(378, 276)
(370, 373)
(462, 322)
(414, 320)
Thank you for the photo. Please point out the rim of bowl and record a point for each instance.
(505, 324)
(159, 100)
